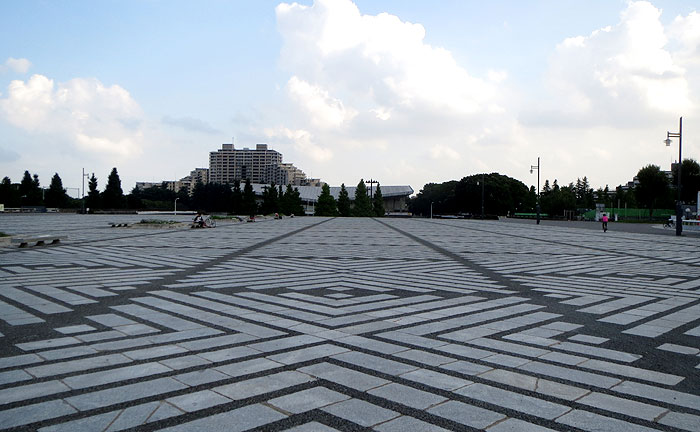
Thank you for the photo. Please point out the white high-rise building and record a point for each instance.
(228, 164)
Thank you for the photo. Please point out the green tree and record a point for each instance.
(30, 190)
(9, 193)
(270, 203)
(690, 180)
(199, 198)
(250, 207)
(25, 186)
(326, 205)
(343, 202)
(546, 188)
(285, 207)
(378, 203)
(237, 197)
(56, 195)
(93, 199)
(441, 196)
(502, 195)
(296, 206)
(113, 195)
(652, 189)
(184, 199)
(363, 206)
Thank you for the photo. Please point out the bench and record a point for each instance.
(691, 225)
(39, 240)
(119, 224)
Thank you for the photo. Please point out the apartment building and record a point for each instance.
(228, 164)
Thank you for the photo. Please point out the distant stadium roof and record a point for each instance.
(311, 193)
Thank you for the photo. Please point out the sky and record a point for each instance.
(406, 92)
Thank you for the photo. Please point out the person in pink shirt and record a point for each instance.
(605, 222)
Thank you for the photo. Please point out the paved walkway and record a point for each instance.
(315, 324)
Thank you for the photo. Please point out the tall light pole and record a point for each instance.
(83, 195)
(371, 182)
(679, 210)
(537, 167)
(176, 205)
(482, 195)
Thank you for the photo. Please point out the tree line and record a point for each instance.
(362, 206)
(503, 195)
(210, 197)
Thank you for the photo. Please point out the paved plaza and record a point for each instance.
(320, 324)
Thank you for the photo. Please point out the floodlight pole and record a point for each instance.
(537, 167)
(371, 182)
(679, 210)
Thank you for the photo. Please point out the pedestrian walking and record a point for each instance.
(605, 222)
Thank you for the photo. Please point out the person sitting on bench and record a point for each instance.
(198, 220)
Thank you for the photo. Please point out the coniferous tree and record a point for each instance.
(296, 205)
(113, 196)
(363, 206)
(343, 202)
(184, 200)
(250, 207)
(9, 193)
(56, 195)
(93, 200)
(25, 186)
(270, 202)
(378, 203)
(326, 205)
(237, 197)
(37, 195)
(285, 201)
(29, 190)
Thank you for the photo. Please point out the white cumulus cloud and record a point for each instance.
(323, 110)
(97, 118)
(620, 72)
(20, 65)
(369, 87)
(302, 141)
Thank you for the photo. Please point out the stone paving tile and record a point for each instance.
(622, 406)
(129, 392)
(257, 386)
(33, 413)
(307, 400)
(408, 396)
(390, 323)
(589, 421)
(515, 425)
(198, 400)
(312, 427)
(515, 401)
(470, 415)
(435, 379)
(405, 423)
(236, 420)
(343, 376)
(360, 412)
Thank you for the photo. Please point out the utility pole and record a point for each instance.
(371, 182)
(482, 195)
(83, 196)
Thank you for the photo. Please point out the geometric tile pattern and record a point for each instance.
(317, 324)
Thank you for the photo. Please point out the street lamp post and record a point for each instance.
(482, 195)
(83, 195)
(371, 182)
(176, 205)
(679, 210)
(537, 167)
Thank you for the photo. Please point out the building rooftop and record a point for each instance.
(311, 193)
